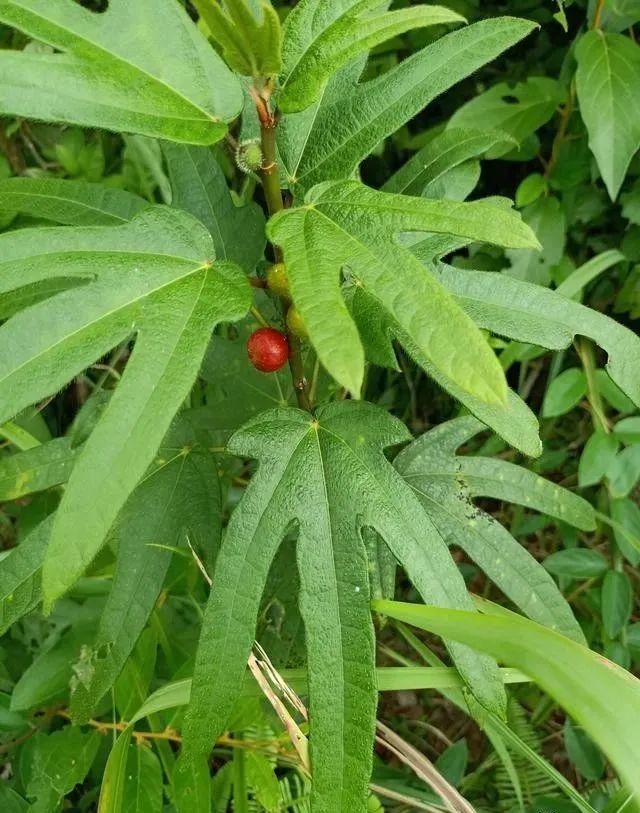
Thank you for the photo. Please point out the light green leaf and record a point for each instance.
(199, 187)
(564, 393)
(578, 280)
(69, 203)
(156, 277)
(530, 189)
(347, 225)
(142, 787)
(598, 694)
(250, 43)
(624, 471)
(344, 131)
(263, 781)
(179, 498)
(139, 83)
(46, 680)
(513, 421)
(536, 315)
(115, 775)
(516, 110)
(347, 484)
(60, 761)
(359, 26)
(20, 576)
(596, 458)
(36, 469)
(446, 151)
(617, 602)
(446, 484)
(628, 430)
(607, 86)
(576, 563)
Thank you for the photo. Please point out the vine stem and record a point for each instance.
(273, 195)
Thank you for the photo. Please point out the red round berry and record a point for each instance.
(268, 349)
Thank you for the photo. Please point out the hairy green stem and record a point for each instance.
(273, 196)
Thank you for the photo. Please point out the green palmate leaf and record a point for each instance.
(343, 131)
(70, 203)
(357, 27)
(139, 83)
(250, 44)
(347, 226)
(513, 421)
(329, 477)
(296, 130)
(154, 277)
(20, 576)
(199, 187)
(444, 153)
(536, 315)
(598, 694)
(447, 483)
(516, 110)
(607, 86)
(36, 469)
(178, 499)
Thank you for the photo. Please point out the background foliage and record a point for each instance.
(112, 308)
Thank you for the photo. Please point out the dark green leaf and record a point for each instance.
(200, 188)
(60, 761)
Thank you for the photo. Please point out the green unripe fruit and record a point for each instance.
(277, 280)
(295, 323)
(249, 156)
